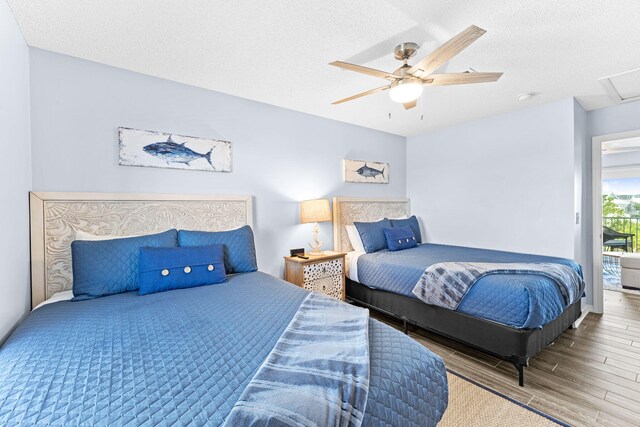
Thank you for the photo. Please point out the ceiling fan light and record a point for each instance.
(406, 90)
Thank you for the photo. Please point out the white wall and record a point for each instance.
(607, 121)
(613, 160)
(279, 156)
(15, 173)
(504, 182)
(612, 120)
(583, 239)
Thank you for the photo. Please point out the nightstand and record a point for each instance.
(322, 273)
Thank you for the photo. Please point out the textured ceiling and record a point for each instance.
(277, 51)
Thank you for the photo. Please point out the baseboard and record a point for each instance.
(585, 310)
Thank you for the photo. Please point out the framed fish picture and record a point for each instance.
(173, 151)
(366, 172)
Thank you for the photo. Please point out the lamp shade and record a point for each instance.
(315, 211)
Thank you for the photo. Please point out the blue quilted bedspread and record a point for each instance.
(183, 357)
(515, 300)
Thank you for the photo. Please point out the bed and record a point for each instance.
(179, 357)
(512, 317)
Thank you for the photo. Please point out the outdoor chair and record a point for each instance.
(616, 240)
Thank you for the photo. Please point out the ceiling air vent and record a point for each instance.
(623, 87)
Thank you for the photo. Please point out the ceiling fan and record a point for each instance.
(406, 83)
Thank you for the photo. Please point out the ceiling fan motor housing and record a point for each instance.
(406, 50)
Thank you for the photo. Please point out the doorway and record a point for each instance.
(616, 213)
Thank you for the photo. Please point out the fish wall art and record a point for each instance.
(366, 172)
(173, 151)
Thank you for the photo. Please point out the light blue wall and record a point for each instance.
(616, 119)
(279, 156)
(503, 182)
(15, 173)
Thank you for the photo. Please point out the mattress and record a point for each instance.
(520, 301)
(183, 357)
(351, 264)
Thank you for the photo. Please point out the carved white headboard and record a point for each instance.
(55, 218)
(346, 210)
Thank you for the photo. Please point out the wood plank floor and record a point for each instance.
(590, 376)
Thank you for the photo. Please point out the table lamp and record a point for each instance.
(315, 211)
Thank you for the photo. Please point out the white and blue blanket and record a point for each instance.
(445, 284)
(316, 375)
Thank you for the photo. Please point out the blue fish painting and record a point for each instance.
(173, 151)
(366, 172)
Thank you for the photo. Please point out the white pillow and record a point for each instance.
(83, 235)
(354, 238)
(401, 217)
(58, 296)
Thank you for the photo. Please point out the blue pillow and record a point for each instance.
(409, 222)
(239, 249)
(372, 234)
(163, 269)
(106, 267)
(399, 238)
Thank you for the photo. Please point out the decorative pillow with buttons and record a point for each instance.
(163, 269)
(399, 238)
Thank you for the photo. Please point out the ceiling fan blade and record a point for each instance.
(410, 105)
(364, 70)
(360, 95)
(444, 53)
(460, 78)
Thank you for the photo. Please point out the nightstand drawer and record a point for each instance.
(331, 286)
(321, 270)
(320, 273)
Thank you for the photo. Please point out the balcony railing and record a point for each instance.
(625, 225)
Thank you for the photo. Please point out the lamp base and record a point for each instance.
(315, 253)
(317, 244)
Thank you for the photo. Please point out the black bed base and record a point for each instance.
(513, 345)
